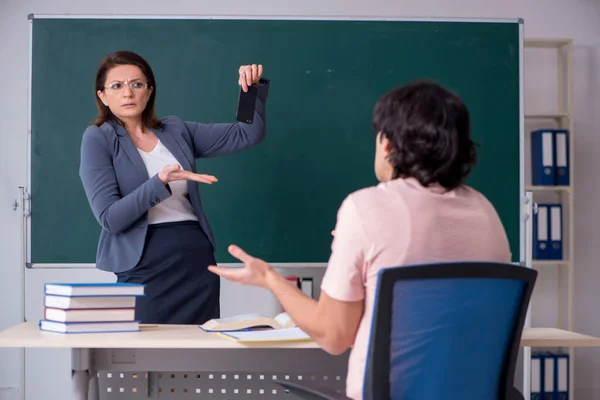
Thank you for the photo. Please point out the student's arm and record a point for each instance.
(331, 323)
(333, 320)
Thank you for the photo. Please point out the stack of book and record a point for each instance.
(90, 307)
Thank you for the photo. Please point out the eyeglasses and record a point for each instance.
(116, 87)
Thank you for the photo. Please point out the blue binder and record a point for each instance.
(561, 380)
(561, 151)
(536, 376)
(547, 231)
(549, 376)
(542, 157)
(541, 231)
(556, 231)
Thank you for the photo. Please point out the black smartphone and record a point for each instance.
(246, 105)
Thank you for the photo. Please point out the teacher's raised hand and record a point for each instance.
(249, 75)
(171, 173)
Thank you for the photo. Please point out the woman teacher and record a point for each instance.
(139, 176)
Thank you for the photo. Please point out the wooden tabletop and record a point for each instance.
(28, 335)
(552, 337)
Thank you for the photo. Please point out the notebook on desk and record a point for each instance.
(267, 335)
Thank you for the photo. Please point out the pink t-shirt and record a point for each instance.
(400, 222)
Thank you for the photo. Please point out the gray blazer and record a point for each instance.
(120, 192)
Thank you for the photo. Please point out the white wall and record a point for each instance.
(577, 19)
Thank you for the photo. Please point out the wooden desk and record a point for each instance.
(200, 362)
(552, 337)
(28, 335)
(187, 348)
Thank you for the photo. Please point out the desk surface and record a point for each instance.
(552, 337)
(28, 335)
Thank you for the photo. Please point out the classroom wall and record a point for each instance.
(577, 19)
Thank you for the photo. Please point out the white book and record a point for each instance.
(97, 315)
(89, 327)
(94, 289)
(89, 302)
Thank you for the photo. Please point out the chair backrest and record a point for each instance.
(447, 331)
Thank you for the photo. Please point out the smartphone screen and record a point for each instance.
(246, 105)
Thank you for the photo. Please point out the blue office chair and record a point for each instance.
(443, 331)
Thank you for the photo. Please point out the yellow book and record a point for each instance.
(268, 335)
(246, 321)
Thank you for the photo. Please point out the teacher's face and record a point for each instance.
(126, 92)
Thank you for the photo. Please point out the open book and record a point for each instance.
(246, 321)
(271, 335)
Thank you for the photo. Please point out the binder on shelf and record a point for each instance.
(549, 374)
(556, 246)
(550, 163)
(542, 158)
(541, 245)
(536, 377)
(306, 285)
(561, 146)
(561, 367)
(294, 280)
(547, 231)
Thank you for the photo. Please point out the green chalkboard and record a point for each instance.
(278, 200)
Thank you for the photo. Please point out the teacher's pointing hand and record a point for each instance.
(249, 75)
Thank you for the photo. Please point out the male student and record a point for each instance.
(421, 211)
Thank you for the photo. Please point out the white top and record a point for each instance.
(177, 207)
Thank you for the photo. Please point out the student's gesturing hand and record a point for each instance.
(255, 271)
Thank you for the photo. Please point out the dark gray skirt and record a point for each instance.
(179, 287)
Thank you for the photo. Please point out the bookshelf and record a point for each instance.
(554, 56)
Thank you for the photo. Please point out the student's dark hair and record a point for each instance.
(125, 58)
(429, 132)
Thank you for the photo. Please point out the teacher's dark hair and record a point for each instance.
(125, 58)
(429, 132)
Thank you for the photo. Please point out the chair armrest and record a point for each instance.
(310, 391)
